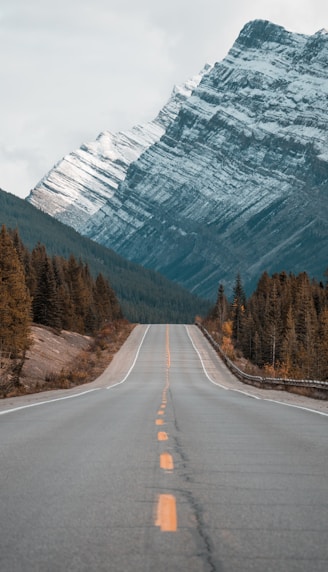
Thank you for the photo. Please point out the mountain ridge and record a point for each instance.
(80, 183)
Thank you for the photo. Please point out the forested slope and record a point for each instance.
(145, 295)
(282, 327)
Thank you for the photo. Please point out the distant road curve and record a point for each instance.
(165, 462)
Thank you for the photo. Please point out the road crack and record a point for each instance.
(206, 552)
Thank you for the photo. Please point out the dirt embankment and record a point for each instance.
(60, 360)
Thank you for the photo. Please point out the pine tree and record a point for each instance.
(322, 346)
(305, 324)
(238, 308)
(80, 287)
(38, 257)
(221, 308)
(46, 303)
(15, 302)
(289, 345)
(67, 311)
(247, 339)
(273, 324)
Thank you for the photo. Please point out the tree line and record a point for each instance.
(53, 291)
(282, 327)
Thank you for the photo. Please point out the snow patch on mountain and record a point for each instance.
(81, 183)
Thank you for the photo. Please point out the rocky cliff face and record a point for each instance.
(83, 181)
(238, 178)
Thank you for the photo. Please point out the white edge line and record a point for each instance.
(48, 401)
(296, 406)
(134, 362)
(254, 396)
(203, 366)
(37, 403)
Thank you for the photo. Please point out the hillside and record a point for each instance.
(145, 296)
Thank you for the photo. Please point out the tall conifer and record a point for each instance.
(15, 302)
(238, 308)
(46, 303)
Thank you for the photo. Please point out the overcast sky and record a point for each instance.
(72, 68)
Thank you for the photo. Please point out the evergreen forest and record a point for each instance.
(282, 327)
(53, 291)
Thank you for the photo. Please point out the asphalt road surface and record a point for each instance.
(160, 469)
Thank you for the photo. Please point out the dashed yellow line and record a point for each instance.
(166, 515)
(166, 462)
(168, 354)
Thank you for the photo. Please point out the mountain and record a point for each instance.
(144, 295)
(81, 183)
(238, 181)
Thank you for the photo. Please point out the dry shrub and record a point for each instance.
(269, 371)
(228, 348)
(227, 328)
(90, 363)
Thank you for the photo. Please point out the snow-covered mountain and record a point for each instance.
(235, 180)
(82, 182)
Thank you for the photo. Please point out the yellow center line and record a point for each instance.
(166, 461)
(168, 354)
(166, 515)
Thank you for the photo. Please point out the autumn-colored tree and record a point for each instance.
(25, 258)
(102, 300)
(322, 346)
(306, 324)
(15, 302)
(289, 346)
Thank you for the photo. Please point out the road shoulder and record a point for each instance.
(221, 375)
(114, 373)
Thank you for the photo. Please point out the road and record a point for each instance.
(162, 469)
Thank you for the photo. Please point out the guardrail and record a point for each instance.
(258, 380)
